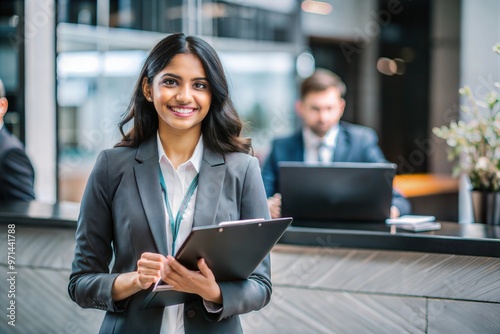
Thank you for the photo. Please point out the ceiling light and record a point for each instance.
(316, 7)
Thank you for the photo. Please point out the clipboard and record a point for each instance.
(231, 250)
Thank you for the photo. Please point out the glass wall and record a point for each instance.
(101, 46)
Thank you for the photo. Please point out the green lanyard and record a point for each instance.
(176, 224)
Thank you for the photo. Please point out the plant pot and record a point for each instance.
(486, 207)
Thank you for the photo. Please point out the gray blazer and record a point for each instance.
(122, 216)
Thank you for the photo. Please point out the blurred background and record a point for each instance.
(69, 67)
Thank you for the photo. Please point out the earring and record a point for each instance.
(150, 99)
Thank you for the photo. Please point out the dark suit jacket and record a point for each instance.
(355, 143)
(16, 172)
(122, 215)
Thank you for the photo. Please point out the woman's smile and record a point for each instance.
(183, 111)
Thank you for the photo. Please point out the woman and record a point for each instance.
(181, 164)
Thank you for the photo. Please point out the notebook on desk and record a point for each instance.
(337, 191)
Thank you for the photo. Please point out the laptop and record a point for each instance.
(336, 191)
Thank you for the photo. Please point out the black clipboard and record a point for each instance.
(232, 250)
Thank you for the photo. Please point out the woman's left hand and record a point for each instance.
(200, 282)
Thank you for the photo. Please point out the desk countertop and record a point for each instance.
(415, 185)
(452, 238)
(34, 213)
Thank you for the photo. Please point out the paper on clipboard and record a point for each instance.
(243, 221)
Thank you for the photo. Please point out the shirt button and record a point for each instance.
(190, 313)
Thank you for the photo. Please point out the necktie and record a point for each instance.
(321, 152)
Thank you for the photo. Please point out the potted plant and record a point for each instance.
(474, 142)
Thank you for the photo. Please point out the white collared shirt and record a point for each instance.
(178, 182)
(312, 141)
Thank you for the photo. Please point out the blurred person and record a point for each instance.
(323, 138)
(185, 132)
(17, 176)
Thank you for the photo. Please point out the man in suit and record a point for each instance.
(323, 138)
(16, 172)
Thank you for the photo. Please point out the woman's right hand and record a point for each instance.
(149, 268)
(148, 272)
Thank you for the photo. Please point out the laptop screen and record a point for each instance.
(337, 191)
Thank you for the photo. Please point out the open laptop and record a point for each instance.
(337, 191)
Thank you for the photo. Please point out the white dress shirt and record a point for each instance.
(178, 182)
(312, 150)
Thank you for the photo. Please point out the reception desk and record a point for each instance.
(327, 278)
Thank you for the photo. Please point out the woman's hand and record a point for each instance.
(200, 282)
(149, 269)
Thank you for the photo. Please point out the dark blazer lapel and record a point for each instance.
(212, 173)
(148, 183)
(296, 149)
(343, 145)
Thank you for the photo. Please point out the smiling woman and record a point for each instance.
(221, 127)
(182, 164)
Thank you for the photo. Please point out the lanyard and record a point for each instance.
(175, 224)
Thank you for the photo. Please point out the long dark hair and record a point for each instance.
(221, 127)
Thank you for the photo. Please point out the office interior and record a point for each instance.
(69, 67)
